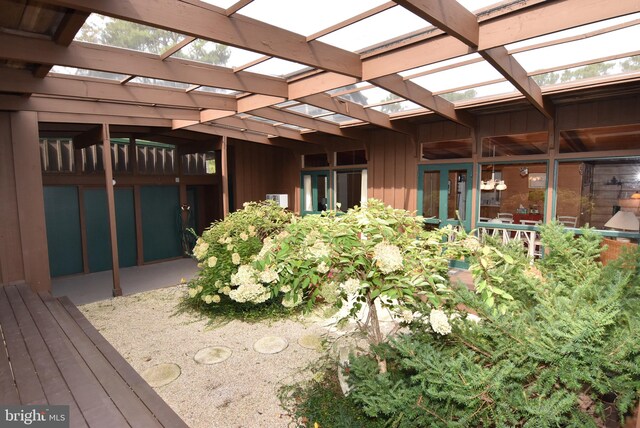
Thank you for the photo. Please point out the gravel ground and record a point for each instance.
(239, 392)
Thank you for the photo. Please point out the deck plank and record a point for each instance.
(133, 410)
(8, 388)
(53, 384)
(26, 379)
(96, 406)
(161, 410)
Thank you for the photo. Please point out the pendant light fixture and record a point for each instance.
(492, 183)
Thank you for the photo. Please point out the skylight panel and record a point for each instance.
(482, 91)
(277, 67)
(224, 4)
(159, 82)
(213, 90)
(376, 29)
(216, 54)
(613, 43)
(370, 96)
(262, 119)
(459, 76)
(474, 5)
(597, 69)
(118, 33)
(58, 69)
(339, 118)
(306, 17)
(309, 110)
(425, 69)
(403, 106)
(584, 29)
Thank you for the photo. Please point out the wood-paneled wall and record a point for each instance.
(23, 241)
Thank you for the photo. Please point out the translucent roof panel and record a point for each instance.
(370, 96)
(107, 31)
(277, 67)
(213, 90)
(159, 82)
(87, 73)
(598, 69)
(386, 25)
(261, 119)
(465, 75)
(349, 88)
(309, 110)
(404, 106)
(584, 29)
(615, 42)
(474, 5)
(306, 17)
(338, 118)
(216, 54)
(225, 4)
(480, 92)
(426, 69)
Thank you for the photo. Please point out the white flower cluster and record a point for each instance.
(351, 286)
(235, 258)
(252, 292)
(200, 250)
(193, 292)
(212, 261)
(208, 299)
(387, 257)
(252, 230)
(471, 243)
(323, 268)
(268, 276)
(288, 301)
(244, 236)
(267, 245)
(317, 251)
(246, 275)
(439, 322)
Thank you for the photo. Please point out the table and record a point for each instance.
(532, 217)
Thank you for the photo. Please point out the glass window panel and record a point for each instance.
(599, 69)
(216, 54)
(213, 90)
(225, 4)
(308, 110)
(277, 67)
(587, 193)
(87, 73)
(595, 139)
(465, 75)
(311, 16)
(457, 195)
(436, 65)
(398, 107)
(431, 194)
(296, 127)
(473, 5)
(315, 160)
(351, 157)
(308, 194)
(262, 119)
(339, 118)
(348, 189)
(615, 42)
(523, 198)
(573, 31)
(386, 25)
(490, 90)
(128, 35)
(349, 88)
(323, 187)
(449, 149)
(370, 96)
(516, 145)
(159, 82)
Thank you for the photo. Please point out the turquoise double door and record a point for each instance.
(444, 194)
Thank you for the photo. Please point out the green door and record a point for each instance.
(315, 192)
(444, 194)
(161, 222)
(64, 241)
(97, 228)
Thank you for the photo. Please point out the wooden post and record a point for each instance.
(553, 150)
(225, 178)
(108, 178)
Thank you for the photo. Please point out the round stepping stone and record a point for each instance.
(311, 341)
(161, 374)
(270, 345)
(212, 355)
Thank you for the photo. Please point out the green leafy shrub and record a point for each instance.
(565, 345)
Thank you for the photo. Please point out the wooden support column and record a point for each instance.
(551, 172)
(225, 178)
(108, 178)
(476, 147)
(137, 206)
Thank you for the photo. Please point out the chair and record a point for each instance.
(568, 220)
(487, 219)
(530, 222)
(507, 216)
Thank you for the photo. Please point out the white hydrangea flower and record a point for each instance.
(252, 292)
(244, 236)
(285, 288)
(252, 230)
(267, 245)
(471, 243)
(282, 235)
(215, 298)
(351, 286)
(200, 250)
(318, 250)
(268, 276)
(288, 301)
(193, 292)
(207, 299)
(407, 316)
(235, 258)
(229, 247)
(439, 322)
(228, 240)
(225, 290)
(387, 257)
(221, 240)
(211, 261)
(246, 275)
(473, 317)
(323, 268)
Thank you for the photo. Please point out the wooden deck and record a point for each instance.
(51, 354)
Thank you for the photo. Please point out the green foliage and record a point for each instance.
(566, 343)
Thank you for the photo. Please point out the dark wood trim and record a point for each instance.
(83, 230)
(225, 177)
(137, 206)
(113, 231)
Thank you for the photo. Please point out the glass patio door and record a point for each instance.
(315, 192)
(444, 194)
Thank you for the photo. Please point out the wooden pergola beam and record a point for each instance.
(298, 120)
(449, 16)
(355, 110)
(318, 83)
(262, 127)
(88, 138)
(413, 92)
(21, 81)
(65, 118)
(123, 61)
(236, 30)
(500, 59)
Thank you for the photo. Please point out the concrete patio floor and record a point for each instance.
(92, 287)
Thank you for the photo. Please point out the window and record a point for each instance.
(448, 149)
(315, 160)
(352, 157)
(625, 137)
(516, 145)
(351, 188)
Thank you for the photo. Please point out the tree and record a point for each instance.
(591, 70)
(460, 96)
(631, 64)
(546, 79)
(392, 107)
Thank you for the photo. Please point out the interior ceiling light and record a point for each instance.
(492, 183)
